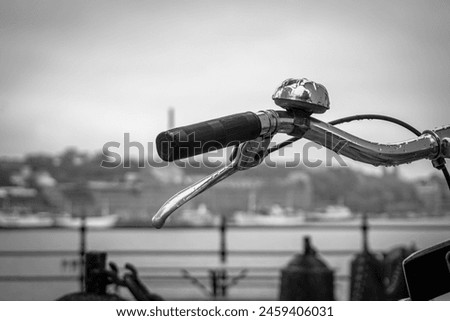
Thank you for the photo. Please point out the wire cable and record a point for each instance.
(377, 117)
(446, 175)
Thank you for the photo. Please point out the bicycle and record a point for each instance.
(251, 134)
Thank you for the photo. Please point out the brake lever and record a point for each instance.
(245, 156)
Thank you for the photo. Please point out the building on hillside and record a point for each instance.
(429, 192)
(140, 195)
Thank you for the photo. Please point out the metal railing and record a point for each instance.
(211, 278)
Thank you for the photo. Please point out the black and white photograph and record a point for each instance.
(290, 151)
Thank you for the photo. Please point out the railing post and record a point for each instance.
(223, 239)
(82, 252)
(223, 277)
(213, 280)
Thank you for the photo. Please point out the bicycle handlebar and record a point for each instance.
(426, 146)
(207, 136)
(218, 133)
(253, 131)
(432, 145)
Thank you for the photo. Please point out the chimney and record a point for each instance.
(171, 117)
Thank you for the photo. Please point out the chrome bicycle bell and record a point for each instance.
(302, 94)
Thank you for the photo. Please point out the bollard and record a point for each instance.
(307, 278)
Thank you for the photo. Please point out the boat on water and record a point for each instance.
(28, 220)
(39, 220)
(331, 213)
(74, 218)
(16, 210)
(249, 219)
(104, 221)
(276, 216)
(200, 216)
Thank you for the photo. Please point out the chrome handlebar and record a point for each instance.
(430, 145)
(300, 98)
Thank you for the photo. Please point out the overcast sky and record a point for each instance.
(82, 73)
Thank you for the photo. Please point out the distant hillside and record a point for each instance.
(364, 193)
(301, 187)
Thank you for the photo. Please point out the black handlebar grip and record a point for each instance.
(207, 136)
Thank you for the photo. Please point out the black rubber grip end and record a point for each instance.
(187, 141)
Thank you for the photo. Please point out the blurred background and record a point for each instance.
(76, 75)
